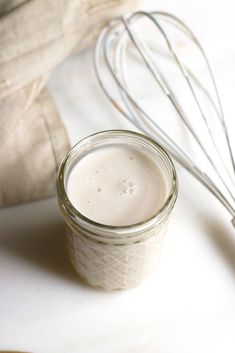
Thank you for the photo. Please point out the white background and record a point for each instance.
(188, 305)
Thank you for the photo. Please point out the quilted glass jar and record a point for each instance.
(115, 257)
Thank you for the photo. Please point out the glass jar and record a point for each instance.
(115, 257)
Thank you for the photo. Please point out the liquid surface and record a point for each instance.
(117, 185)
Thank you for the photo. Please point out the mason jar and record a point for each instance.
(115, 257)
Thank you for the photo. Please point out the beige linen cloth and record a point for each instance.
(35, 36)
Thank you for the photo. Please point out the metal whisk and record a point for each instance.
(122, 40)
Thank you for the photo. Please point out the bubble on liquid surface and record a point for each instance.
(99, 190)
(127, 186)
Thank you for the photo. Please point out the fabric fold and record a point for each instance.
(35, 36)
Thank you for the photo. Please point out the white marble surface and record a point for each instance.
(188, 305)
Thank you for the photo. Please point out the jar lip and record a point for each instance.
(160, 214)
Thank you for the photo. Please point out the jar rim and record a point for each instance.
(85, 221)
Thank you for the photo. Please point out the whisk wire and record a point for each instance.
(110, 48)
(169, 93)
(220, 114)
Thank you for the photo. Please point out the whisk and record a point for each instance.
(121, 40)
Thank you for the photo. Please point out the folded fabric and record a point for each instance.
(35, 36)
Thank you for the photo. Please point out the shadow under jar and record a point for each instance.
(115, 243)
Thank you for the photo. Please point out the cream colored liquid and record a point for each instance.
(117, 185)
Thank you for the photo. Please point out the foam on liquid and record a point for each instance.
(117, 185)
